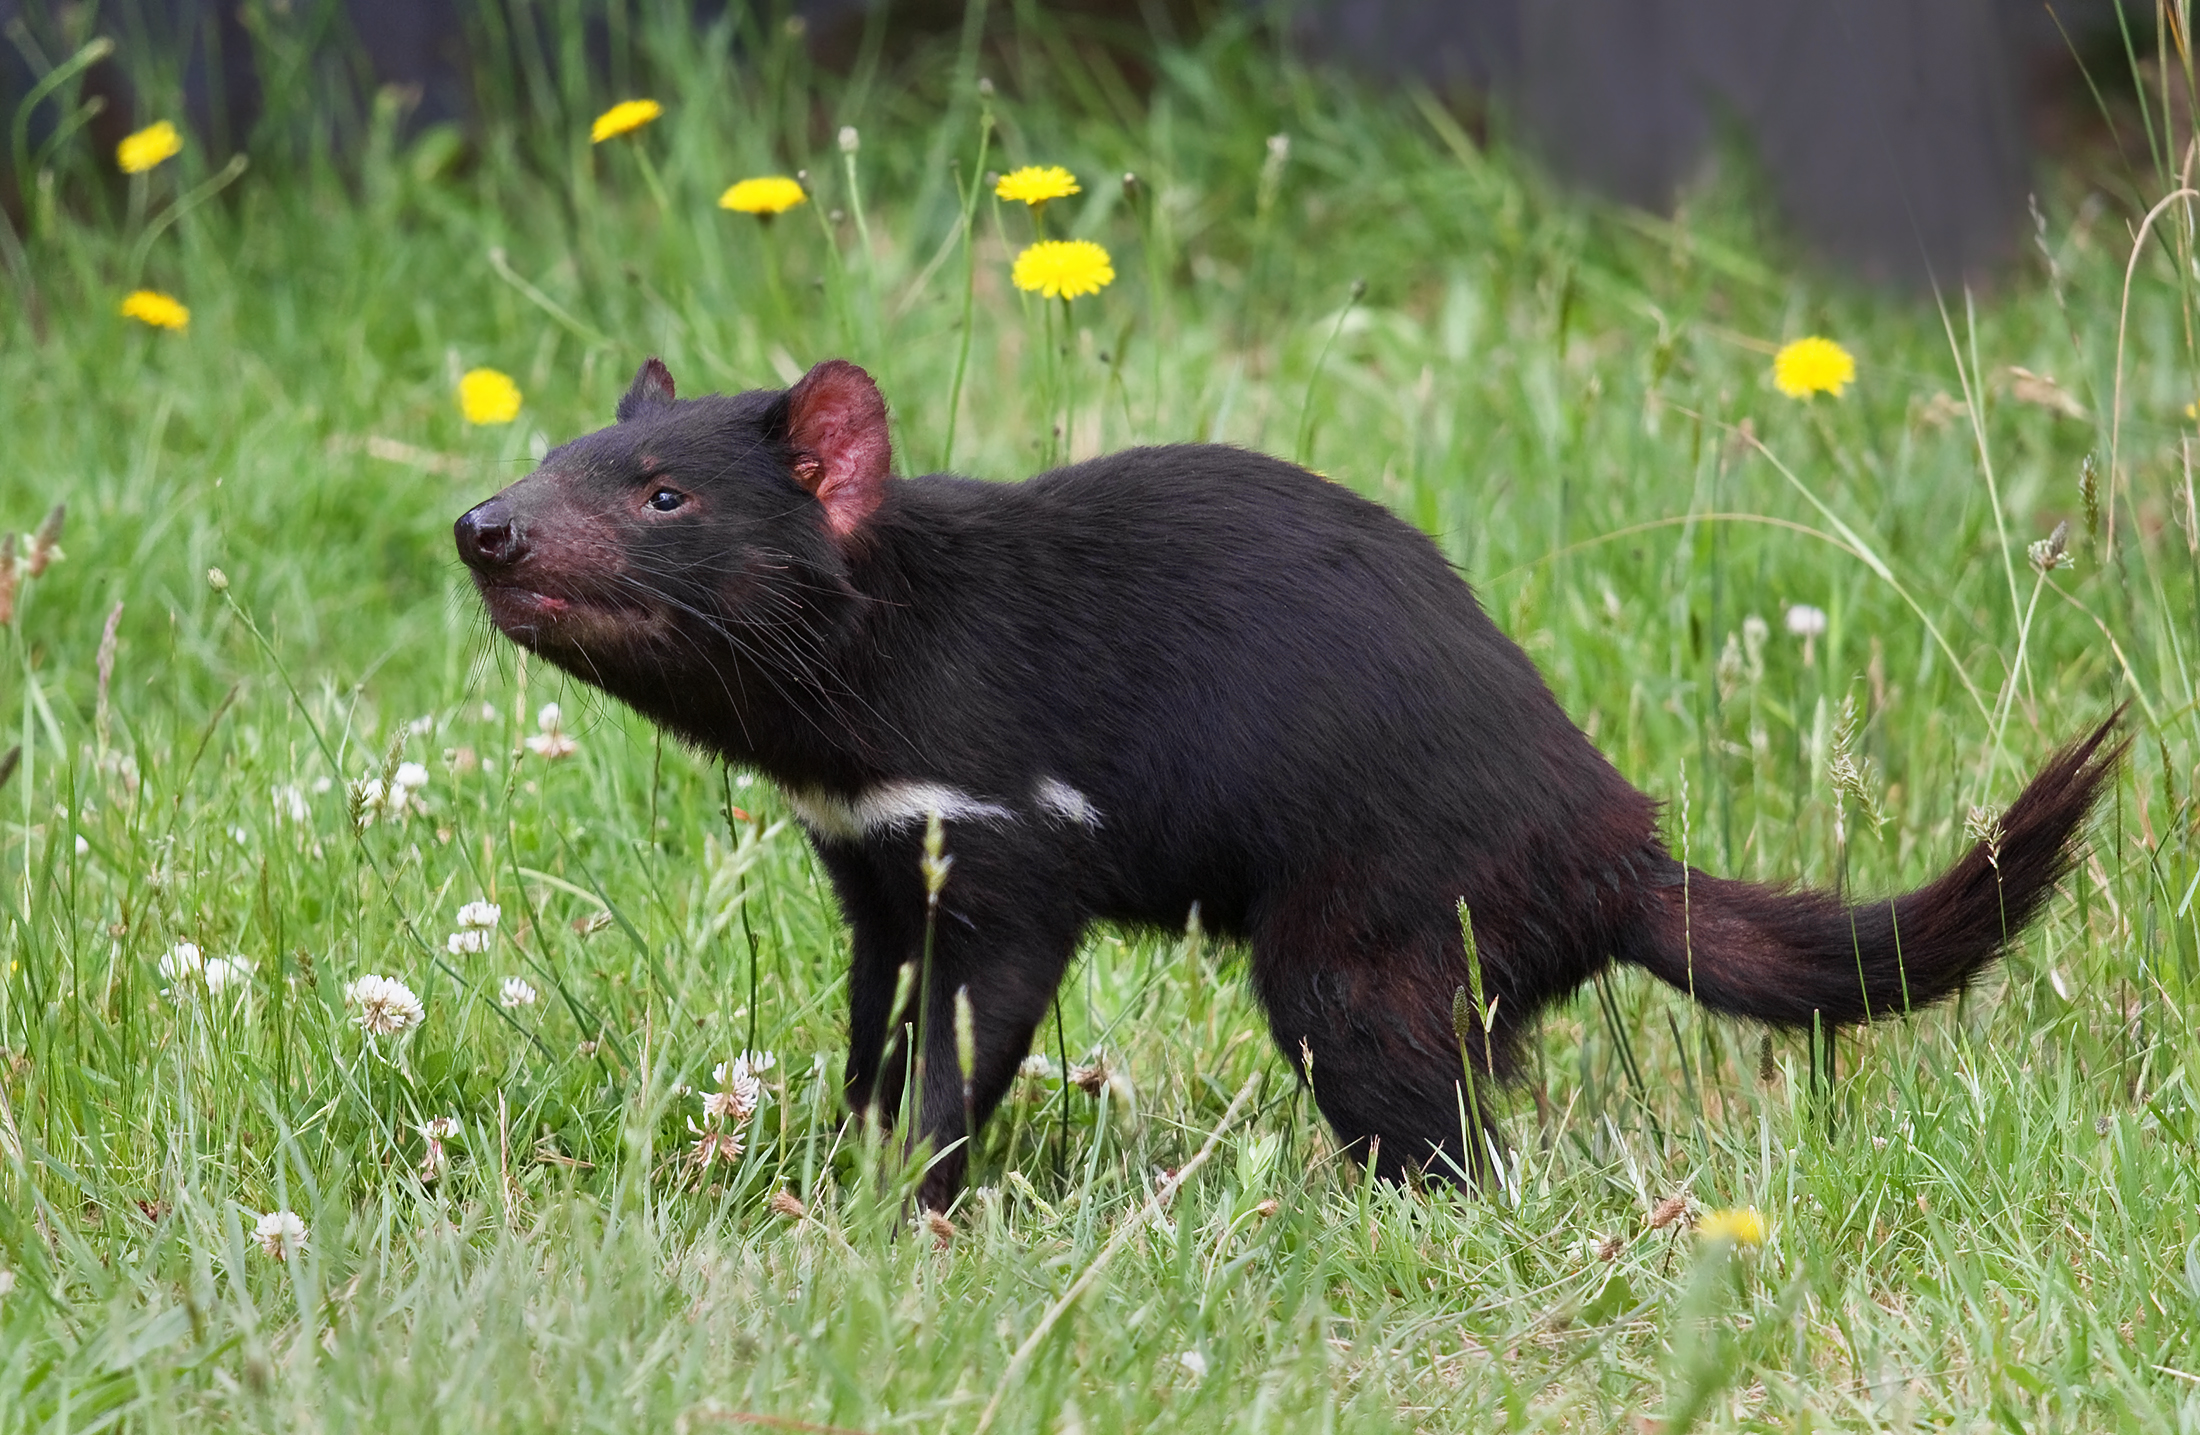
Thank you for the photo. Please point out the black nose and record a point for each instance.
(487, 536)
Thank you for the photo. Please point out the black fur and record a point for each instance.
(1280, 702)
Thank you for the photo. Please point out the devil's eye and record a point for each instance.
(664, 500)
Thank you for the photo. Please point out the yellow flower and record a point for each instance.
(1742, 1226)
(150, 306)
(772, 194)
(486, 396)
(148, 147)
(1034, 185)
(1063, 268)
(622, 118)
(1810, 366)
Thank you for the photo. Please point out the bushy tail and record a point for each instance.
(1785, 957)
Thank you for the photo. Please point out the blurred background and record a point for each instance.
(1897, 138)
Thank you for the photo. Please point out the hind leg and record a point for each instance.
(1376, 1045)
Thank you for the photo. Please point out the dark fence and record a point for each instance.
(1895, 135)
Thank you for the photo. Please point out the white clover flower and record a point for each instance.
(1195, 1364)
(387, 1007)
(550, 746)
(231, 971)
(1037, 1067)
(482, 915)
(739, 1098)
(741, 1088)
(1804, 621)
(290, 802)
(411, 775)
(488, 712)
(472, 940)
(549, 741)
(2052, 552)
(516, 992)
(441, 1128)
(280, 1233)
(421, 726)
(182, 962)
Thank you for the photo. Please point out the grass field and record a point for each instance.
(1990, 1222)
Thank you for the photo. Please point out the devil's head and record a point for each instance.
(693, 551)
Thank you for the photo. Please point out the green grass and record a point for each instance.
(1991, 1224)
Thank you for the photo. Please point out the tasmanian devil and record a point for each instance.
(1174, 676)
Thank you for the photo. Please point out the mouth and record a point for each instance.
(530, 616)
(539, 620)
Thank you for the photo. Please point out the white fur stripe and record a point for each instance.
(888, 806)
(1066, 802)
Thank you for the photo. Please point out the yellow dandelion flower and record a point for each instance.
(148, 147)
(763, 197)
(1035, 184)
(1742, 1226)
(487, 396)
(150, 306)
(1063, 268)
(623, 118)
(1812, 366)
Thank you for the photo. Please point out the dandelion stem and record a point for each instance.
(544, 302)
(655, 182)
(184, 203)
(20, 134)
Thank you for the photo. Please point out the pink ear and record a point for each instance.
(836, 425)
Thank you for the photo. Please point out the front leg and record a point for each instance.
(999, 934)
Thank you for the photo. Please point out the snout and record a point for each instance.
(489, 536)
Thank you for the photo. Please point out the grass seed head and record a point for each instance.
(46, 542)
